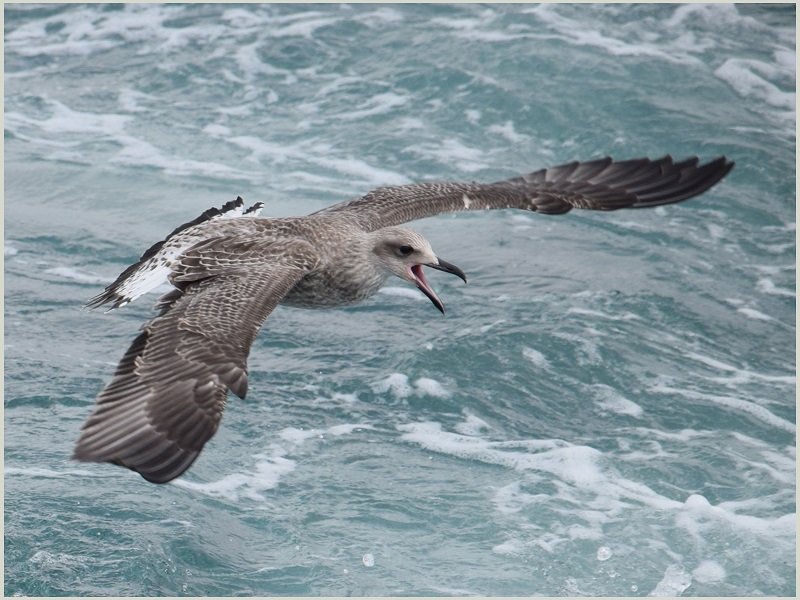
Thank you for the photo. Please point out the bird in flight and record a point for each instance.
(230, 269)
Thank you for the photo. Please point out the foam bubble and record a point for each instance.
(604, 553)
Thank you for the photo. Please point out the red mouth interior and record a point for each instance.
(416, 270)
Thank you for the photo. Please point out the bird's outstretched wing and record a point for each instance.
(167, 395)
(602, 184)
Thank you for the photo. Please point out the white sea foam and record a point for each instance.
(305, 25)
(398, 385)
(9, 250)
(451, 151)
(426, 386)
(673, 583)
(267, 474)
(50, 473)
(611, 400)
(490, 326)
(510, 547)
(739, 375)
(403, 292)
(481, 27)
(748, 77)
(377, 105)
(627, 316)
(77, 275)
(380, 14)
(579, 466)
(620, 42)
(755, 314)
(64, 120)
(536, 357)
(699, 515)
(767, 286)
(251, 66)
(216, 130)
(589, 350)
(71, 126)
(325, 157)
(139, 153)
(472, 425)
(745, 406)
(507, 131)
(297, 436)
(129, 100)
(709, 571)
(48, 560)
(472, 115)
(580, 475)
(510, 499)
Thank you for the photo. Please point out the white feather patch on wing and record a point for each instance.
(153, 273)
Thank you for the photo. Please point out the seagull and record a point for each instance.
(230, 269)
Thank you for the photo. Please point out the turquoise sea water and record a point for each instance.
(608, 407)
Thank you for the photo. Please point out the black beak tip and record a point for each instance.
(447, 267)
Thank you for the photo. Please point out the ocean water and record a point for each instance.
(608, 407)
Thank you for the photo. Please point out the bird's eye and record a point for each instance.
(405, 250)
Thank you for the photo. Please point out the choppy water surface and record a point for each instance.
(608, 407)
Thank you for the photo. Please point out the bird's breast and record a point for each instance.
(333, 286)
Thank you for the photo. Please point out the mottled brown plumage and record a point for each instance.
(231, 269)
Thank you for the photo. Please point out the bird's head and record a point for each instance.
(403, 253)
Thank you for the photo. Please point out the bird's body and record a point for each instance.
(230, 269)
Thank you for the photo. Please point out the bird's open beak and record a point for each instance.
(425, 288)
